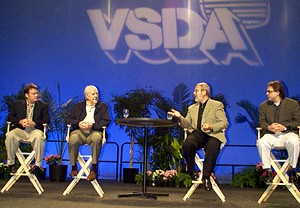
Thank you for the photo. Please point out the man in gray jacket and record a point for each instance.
(205, 120)
(279, 117)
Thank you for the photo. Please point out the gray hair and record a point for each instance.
(88, 89)
(204, 86)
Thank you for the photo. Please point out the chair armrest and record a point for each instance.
(104, 135)
(69, 129)
(45, 129)
(68, 132)
(8, 127)
(258, 132)
(185, 133)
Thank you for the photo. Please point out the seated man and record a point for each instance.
(205, 121)
(27, 117)
(87, 119)
(279, 117)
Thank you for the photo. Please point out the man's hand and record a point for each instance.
(26, 123)
(174, 113)
(85, 126)
(276, 128)
(207, 127)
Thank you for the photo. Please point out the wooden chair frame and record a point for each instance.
(281, 167)
(84, 161)
(24, 168)
(215, 187)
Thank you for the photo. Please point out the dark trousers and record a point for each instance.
(195, 141)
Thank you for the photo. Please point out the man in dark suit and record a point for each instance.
(27, 118)
(205, 120)
(87, 119)
(279, 117)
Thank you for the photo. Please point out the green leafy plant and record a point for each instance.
(139, 102)
(165, 178)
(246, 178)
(166, 153)
(252, 176)
(183, 180)
(58, 111)
(252, 117)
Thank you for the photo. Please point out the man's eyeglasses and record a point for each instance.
(269, 91)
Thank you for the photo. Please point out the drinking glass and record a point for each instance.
(125, 113)
(169, 116)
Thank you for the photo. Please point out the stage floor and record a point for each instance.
(23, 194)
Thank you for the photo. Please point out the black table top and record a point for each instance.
(145, 122)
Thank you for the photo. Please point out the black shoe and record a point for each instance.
(36, 170)
(268, 177)
(293, 176)
(207, 184)
(194, 175)
(13, 169)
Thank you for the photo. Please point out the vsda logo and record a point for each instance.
(208, 34)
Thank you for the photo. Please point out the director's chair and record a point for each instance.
(199, 163)
(85, 162)
(281, 167)
(25, 159)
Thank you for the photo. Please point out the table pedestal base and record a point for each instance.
(143, 195)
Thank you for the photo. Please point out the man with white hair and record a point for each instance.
(87, 119)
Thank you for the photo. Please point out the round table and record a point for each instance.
(145, 123)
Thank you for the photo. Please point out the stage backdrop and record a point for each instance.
(236, 46)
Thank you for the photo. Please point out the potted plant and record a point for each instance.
(139, 102)
(57, 132)
(57, 173)
(4, 171)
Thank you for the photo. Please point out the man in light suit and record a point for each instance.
(279, 117)
(205, 120)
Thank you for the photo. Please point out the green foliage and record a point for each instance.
(183, 180)
(166, 153)
(138, 101)
(180, 101)
(246, 178)
(252, 117)
(159, 177)
(296, 97)
(8, 100)
(57, 128)
(139, 178)
(165, 143)
(2, 147)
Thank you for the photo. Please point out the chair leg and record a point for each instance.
(23, 170)
(195, 185)
(82, 174)
(281, 179)
(191, 191)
